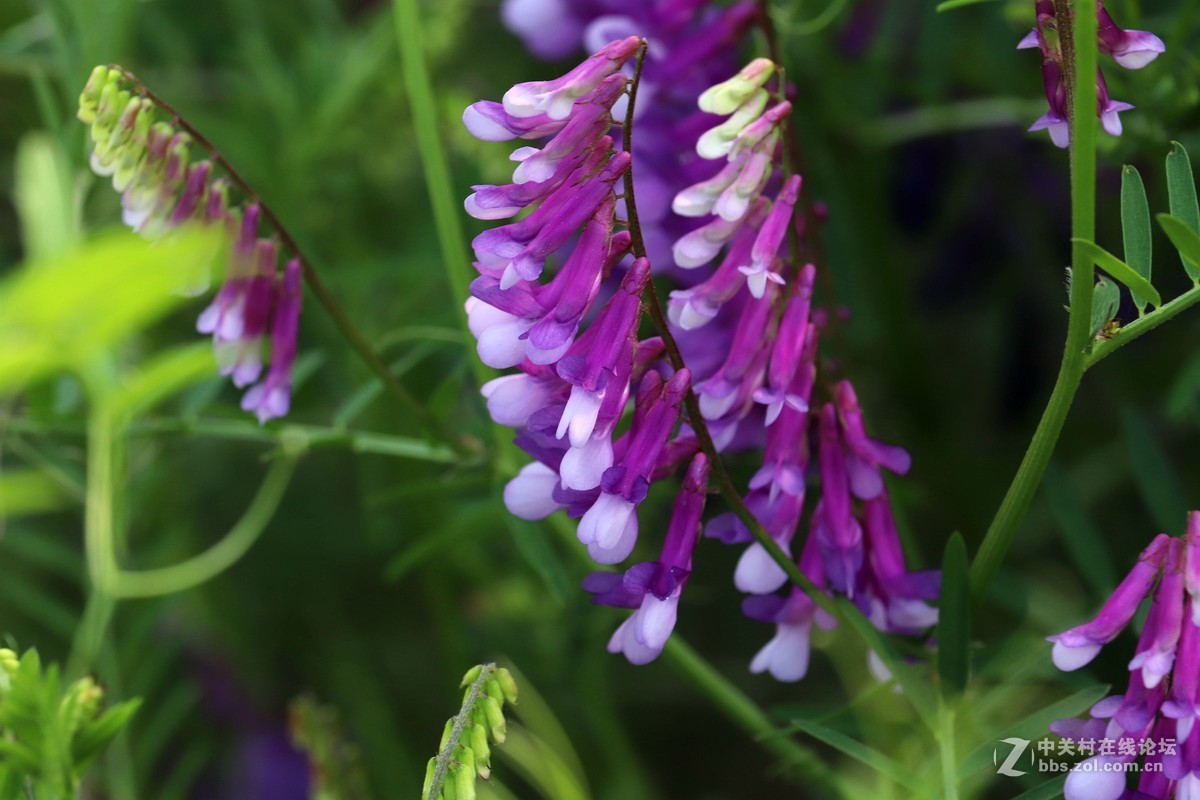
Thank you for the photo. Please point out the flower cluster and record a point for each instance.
(149, 161)
(1162, 701)
(1130, 49)
(692, 45)
(749, 333)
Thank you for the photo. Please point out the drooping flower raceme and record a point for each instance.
(1130, 49)
(149, 161)
(558, 300)
(1162, 701)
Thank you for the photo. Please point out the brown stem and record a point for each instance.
(358, 342)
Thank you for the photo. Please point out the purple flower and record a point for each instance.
(272, 396)
(653, 588)
(610, 526)
(764, 256)
(1130, 49)
(555, 98)
(1076, 647)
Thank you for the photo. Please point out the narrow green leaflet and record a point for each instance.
(1033, 726)
(1135, 228)
(1106, 299)
(1119, 270)
(1186, 241)
(859, 752)
(29, 491)
(915, 688)
(1093, 564)
(954, 619)
(950, 5)
(1181, 188)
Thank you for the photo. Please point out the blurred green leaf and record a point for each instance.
(1048, 790)
(60, 313)
(954, 619)
(858, 751)
(1135, 228)
(1033, 726)
(29, 492)
(541, 766)
(45, 198)
(1080, 536)
(1119, 270)
(1181, 189)
(171, 372)
(949, 5)
(1186, 241)
(1153, 473)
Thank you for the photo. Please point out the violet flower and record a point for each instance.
(653, 588)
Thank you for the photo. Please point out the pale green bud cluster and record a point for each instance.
(148, 159)
(726, 97)
(465, 750)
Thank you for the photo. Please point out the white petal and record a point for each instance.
(530, 494)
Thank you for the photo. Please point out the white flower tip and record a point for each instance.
(1069, 659)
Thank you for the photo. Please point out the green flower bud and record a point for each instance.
(507, 684)
(462, 777)
(471, 675)
(725, 97)
(494, 717)
(446, 734)
(718, 141)
(89, 98)
(430, 769)
(476, 736)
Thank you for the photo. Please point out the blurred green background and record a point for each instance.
(381, 579)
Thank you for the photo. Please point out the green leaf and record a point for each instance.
(100, 731)
(1181, 188)
(60, 313)
(859, 752)
(954, 619)
(44, 197)
(1186, 241)
(1033, 726)
(1106, 299)
(1153, 473)
(916, 689)
(950, 5)
(1080, 535)
(1119, 270)
(1135, 227)
(173, 371)
(29, 492)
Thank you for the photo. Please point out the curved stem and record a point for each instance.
(1078, 43)
(222, 555)
(341, 319)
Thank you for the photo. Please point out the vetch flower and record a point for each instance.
(653, 588)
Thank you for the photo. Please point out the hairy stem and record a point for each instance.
(1077, 36)
(341, 319)
(461, 720)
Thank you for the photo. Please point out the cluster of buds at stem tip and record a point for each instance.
(1130, 49)
(149, 159)
(1162, 701)
(481, 720)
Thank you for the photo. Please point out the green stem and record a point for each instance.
(949, 758)
(1142, 325)
(461, 720)
(222, 555)
(1078, 43)
(743, 711)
